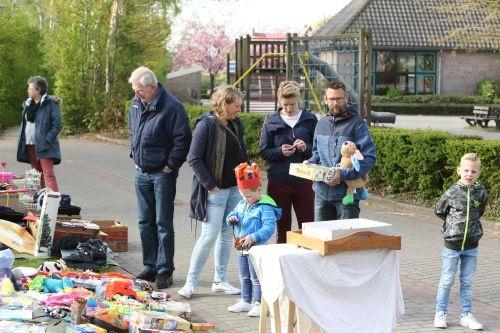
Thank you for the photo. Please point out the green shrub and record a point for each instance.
(489, 152)
(424, 162)
(486, 88)
(446, 98)
(394, 92)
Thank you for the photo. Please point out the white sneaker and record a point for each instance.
(440, 319)
(224, 287)
(240, 306)
(187, 291)
(255, 310)
(470, 322)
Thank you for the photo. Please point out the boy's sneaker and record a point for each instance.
(187, 291)
(469, 321)
(440, 319)
(240, 306)
(255, 310)
(225, 287)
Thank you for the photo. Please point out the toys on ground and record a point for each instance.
(118, 286)
(159, 320)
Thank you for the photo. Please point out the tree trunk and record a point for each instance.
(212, 82)
(111, 44)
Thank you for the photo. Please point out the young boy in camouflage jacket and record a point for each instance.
(460, 207)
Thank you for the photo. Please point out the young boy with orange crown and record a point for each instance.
(254, 219)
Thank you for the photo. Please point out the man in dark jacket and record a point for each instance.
(160, 139)
(342, 123)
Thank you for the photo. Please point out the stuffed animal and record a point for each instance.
(350, 159)
(52, 267)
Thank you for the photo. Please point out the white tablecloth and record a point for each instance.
(355, 291)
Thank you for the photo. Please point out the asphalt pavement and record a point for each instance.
(99, 177)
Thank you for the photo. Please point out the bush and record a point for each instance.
(486, 88)
(455, 99)
(425, 162)
(394, 92)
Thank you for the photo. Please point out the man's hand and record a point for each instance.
(287, 150)
(300, 145)
(306, 162)
(166, 169)
(335, 180)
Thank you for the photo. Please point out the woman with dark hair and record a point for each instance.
(41, 123)
(287, 138)
(216, 149)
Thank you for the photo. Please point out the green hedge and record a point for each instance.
(419, 161)
(431, 109)
(458, 99)
(425, 162)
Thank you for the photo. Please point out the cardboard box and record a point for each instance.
(10, 198)
(159, 321)
(133, 328)
(117, 234)
(84, 328)
(330, 230)
(84, 229)
(311, 171)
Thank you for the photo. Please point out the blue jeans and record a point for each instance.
(155, 212)
(468, 263)
(325, 210)
(250, 285)
(214, 231)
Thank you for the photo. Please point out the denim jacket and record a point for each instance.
(330, 134)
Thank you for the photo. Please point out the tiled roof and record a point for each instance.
(412, 23)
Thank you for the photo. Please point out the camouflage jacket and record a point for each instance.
(460, 207)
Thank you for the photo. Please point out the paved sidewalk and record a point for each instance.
(99, 177)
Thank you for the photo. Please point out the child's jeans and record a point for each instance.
(250, 285)
(468, 263)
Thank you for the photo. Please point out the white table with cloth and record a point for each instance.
(354, 291)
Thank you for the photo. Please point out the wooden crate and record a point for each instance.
(363, 240)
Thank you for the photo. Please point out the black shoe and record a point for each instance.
(147, 274)
(163, 280)
(99, 249)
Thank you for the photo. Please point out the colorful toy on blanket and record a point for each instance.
(6, 287)
(350, 159)
(57, 285)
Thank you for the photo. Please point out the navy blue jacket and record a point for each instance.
(201, 156)
(276, 133)
(330, 134)
(160, 132)
(48, 124)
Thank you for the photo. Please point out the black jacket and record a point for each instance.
(460, 207)
(201, 158)
(276, 133)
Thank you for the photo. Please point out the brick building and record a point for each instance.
(410, 51)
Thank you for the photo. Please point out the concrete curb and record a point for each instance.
(121, 142)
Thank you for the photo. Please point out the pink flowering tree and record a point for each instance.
(203, 45)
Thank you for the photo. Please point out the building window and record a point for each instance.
(409, 72)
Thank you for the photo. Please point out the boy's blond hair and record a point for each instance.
(469, 157)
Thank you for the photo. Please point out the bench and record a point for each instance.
(378, 118)
(482, 115)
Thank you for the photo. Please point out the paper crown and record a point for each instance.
(247, 176)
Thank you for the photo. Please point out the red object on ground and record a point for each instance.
(119, 286)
